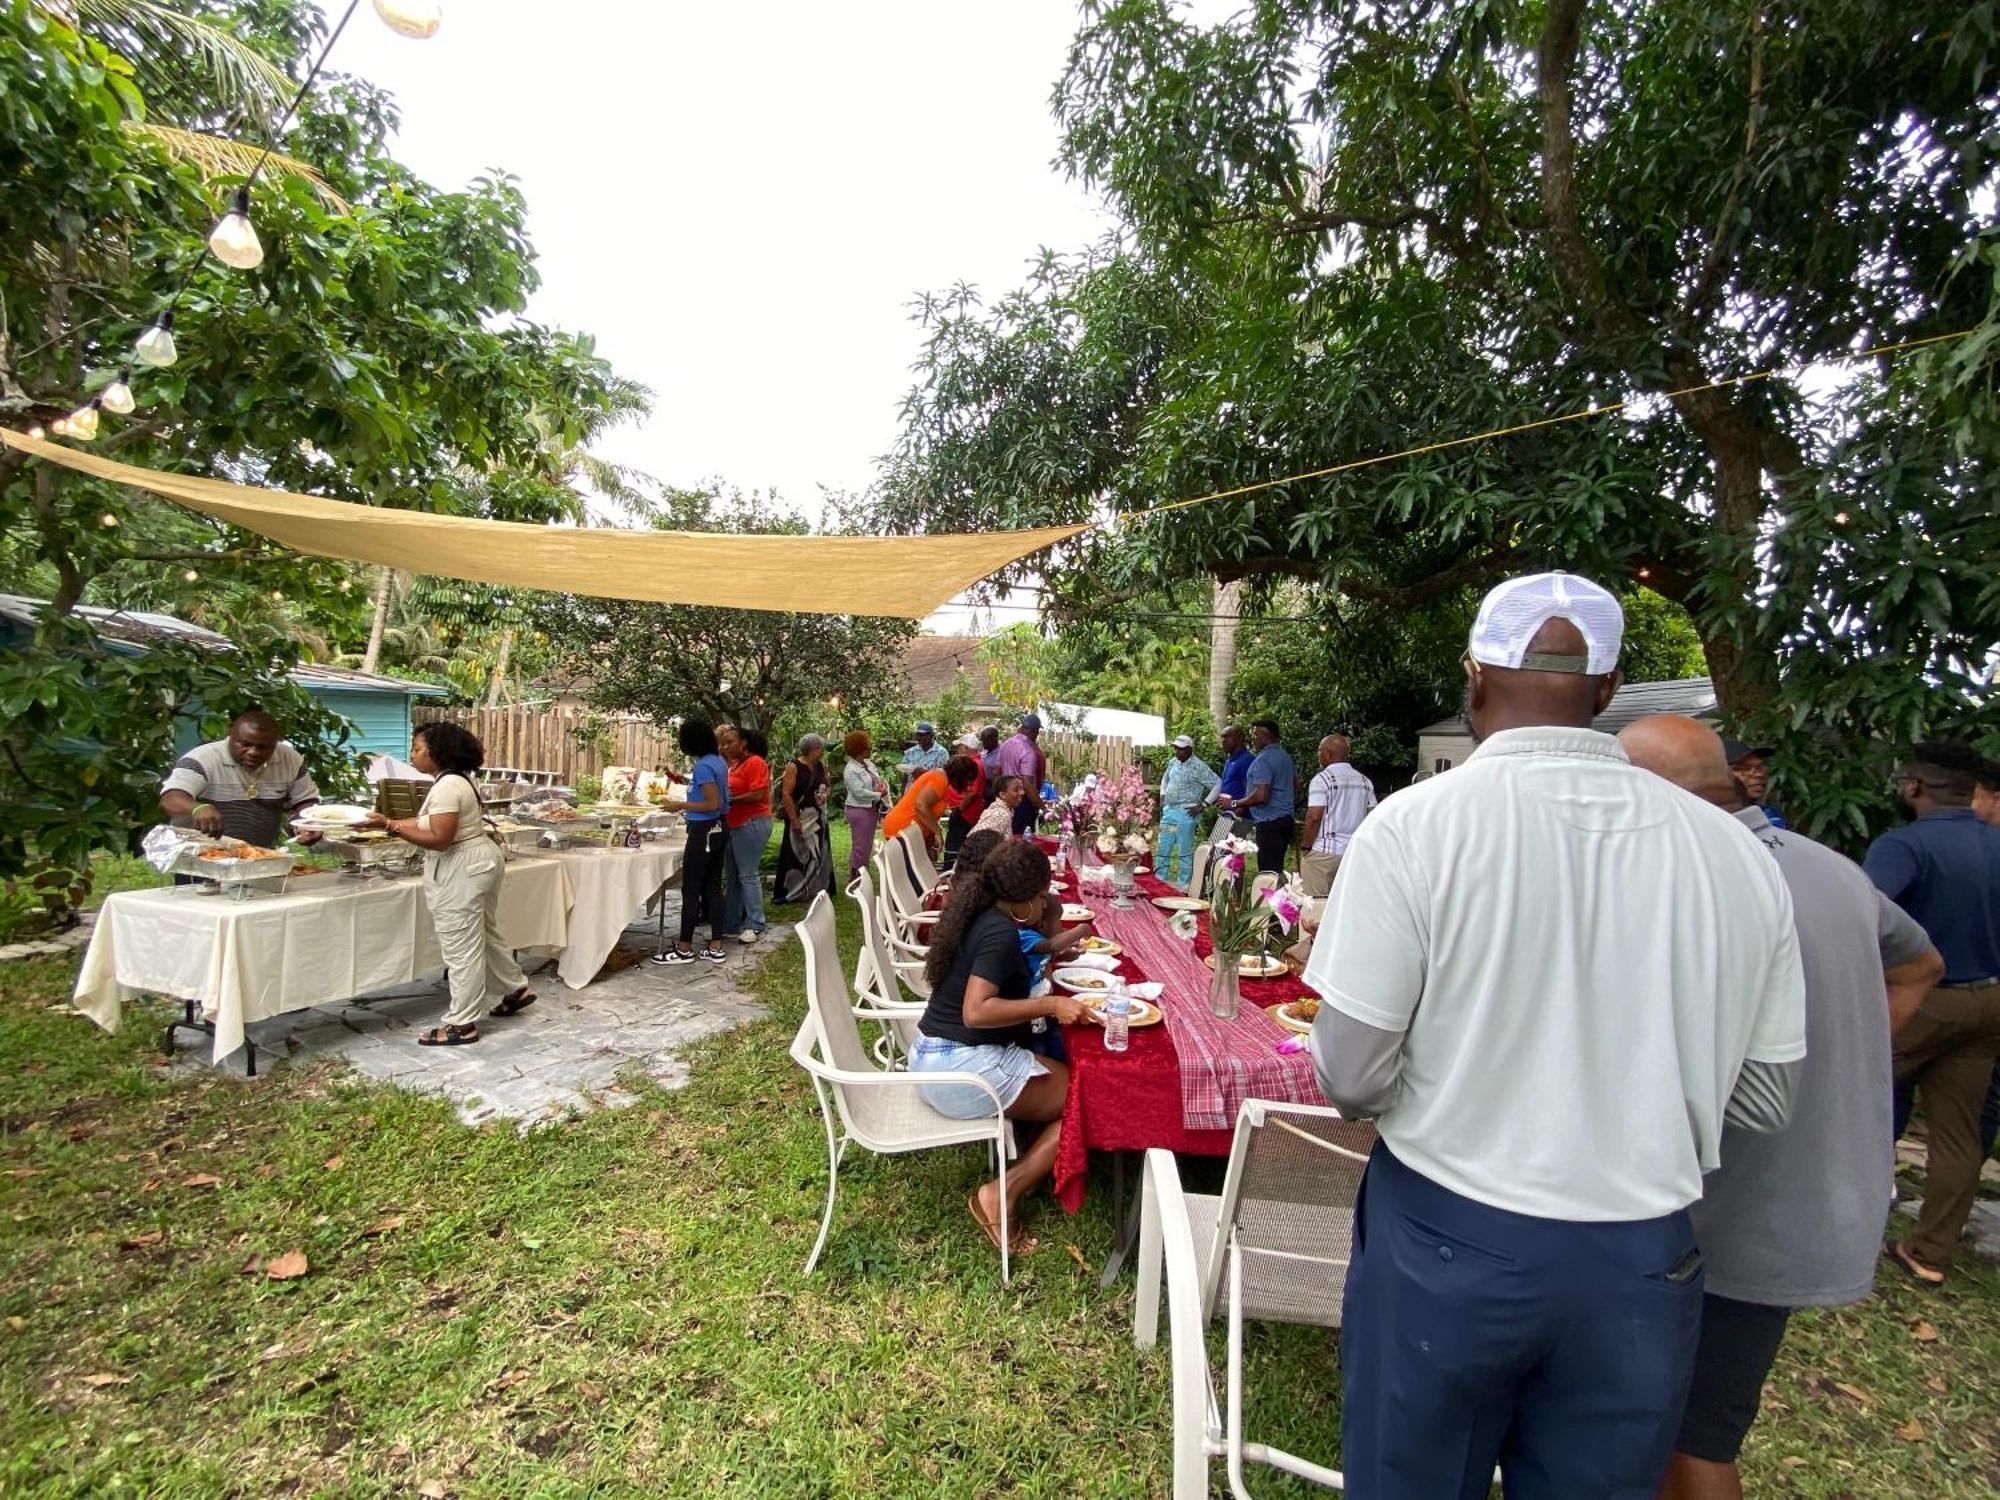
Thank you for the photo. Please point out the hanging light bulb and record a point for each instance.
(60, 427)
(416, 19)
(36, 433)
(275, 594)
(83, 423)
(234, 240)
(190, 575)
(1840, 518)
(156, 344)
(117, 398)
(107, 520)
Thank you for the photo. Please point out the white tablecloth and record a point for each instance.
(325, 939)
(607, 888)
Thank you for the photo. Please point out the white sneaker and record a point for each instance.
(747, 935)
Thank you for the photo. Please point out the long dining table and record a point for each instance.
(1179, 1083)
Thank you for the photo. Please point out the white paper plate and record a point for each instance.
(334, 815)
(1081, 981)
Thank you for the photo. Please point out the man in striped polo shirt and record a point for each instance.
(245, 787)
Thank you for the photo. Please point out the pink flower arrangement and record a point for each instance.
(1120, 809)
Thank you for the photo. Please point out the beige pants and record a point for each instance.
(1317, 872)
(462, 889)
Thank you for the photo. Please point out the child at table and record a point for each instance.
(1040, 942)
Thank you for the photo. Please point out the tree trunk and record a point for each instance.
(493, 689)
(373, 655)
(1228, 608)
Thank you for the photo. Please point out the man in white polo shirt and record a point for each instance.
(1552, 977)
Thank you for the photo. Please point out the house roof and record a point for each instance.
(1692, 696)
(139, 627)
(931, 663)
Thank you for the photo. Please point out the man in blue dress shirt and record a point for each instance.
(1235, 781)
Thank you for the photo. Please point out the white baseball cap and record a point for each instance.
(1183, 742)
(970, 741)
(1514, 611)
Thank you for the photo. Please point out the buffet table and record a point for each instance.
(328, 938)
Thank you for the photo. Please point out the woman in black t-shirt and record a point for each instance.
(979, 1017)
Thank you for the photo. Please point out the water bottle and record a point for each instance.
(1117, 1013)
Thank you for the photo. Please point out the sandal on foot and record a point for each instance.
(1916, 1270)
(1024, 1243)
(514, 1004)
(448, 1036)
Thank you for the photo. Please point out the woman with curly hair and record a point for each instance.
(463, 869)
(979, 1019)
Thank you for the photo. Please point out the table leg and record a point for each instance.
(1124, 1216)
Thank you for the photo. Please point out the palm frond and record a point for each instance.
(623, 483)
(218, 156)
(242, 74)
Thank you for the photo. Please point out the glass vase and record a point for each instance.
(1122, 883)
(1225, 989)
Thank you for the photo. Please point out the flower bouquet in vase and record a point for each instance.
(1120, 811)
(1241, 920)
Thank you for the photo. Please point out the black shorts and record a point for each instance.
(1739, 1343)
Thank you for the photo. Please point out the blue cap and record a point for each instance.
(925, 726)
(1031, 721)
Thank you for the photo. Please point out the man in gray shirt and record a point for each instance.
(1792, 1219)
(245, 786)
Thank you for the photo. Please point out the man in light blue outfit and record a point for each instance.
(1183, 788)
(925, 755)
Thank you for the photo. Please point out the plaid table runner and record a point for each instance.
(1222, 1063)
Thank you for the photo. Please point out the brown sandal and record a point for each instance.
(448, 1036)
(514, 1004)
(1916, 1270)
(1024, 1243)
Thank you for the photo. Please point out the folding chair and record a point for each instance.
(861, 1103)
(907, 918)
(1281, 1232)
(1204, 856)
(923, 870)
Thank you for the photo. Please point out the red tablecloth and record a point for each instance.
(1134, 1100)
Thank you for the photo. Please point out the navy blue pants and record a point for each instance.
(1473, 1336)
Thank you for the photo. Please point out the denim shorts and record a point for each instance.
(1007, 1067)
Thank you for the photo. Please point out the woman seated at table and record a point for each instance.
(463, 869)
(931, 798)
(999, 814)
(979, 1019)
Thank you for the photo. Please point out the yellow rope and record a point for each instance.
(1500, 432)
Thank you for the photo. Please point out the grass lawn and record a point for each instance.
(614, 1306)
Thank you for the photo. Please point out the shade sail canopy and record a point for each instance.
(904, 576)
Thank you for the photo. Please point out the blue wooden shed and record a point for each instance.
(377, 708)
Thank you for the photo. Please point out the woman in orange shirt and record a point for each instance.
(931, 798)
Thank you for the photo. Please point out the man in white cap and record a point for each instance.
(1184, 787)
(1552, 977)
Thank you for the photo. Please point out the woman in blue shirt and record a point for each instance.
(707, 841)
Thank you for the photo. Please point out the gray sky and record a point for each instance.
(740, 201)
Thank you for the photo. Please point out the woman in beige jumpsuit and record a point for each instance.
(462, 873)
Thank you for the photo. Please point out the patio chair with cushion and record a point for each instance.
(1277, 1238)
(864, 1104)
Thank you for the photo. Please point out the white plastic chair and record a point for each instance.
(1204, 856)
(907, 918)
(1270, 880)
(861, 1103)
(923, 869)
(882, 970)
(1281, 1231)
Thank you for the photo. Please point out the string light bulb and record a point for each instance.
(36, 433)
(416, 19)
(1840, 518)
(60, 427)
(234, 240)
(190, 576)
(1645, 572)
(117, 398)
(82, 423)
(275, 594)
(107, 520)
(156, 344)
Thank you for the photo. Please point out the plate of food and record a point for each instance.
(1102, 946)
(331, 817)
(1180, 903)
(1082, 981)
(1076, 911)
(1256, 965)
(1296, 1015)
(1144, 1012)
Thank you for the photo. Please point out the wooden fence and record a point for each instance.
(1073, 756)
(570, 742)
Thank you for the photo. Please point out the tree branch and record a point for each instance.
(1710, 276)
